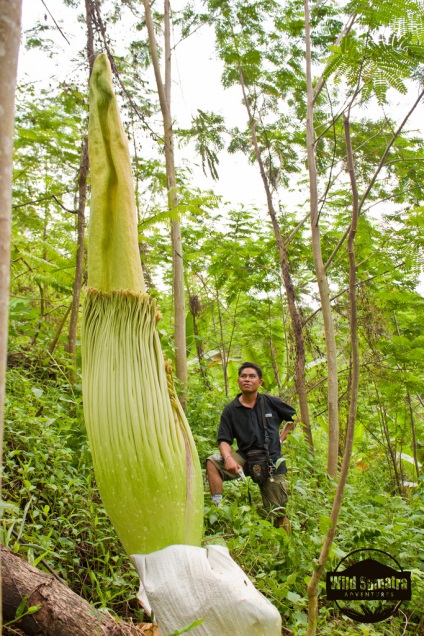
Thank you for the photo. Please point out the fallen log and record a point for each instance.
(61, 612)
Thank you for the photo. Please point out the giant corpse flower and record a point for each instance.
(145, 461)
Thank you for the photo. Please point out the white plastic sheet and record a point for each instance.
(182, 584)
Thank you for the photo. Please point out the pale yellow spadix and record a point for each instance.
(145, 460)
(113, 255)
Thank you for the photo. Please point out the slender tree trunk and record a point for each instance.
(42, 289)
(222, 342)
(194, 306)
(411, 414)
(82, 195)
(59, 330)
(330, 340)
(392, 454)
(10, 30)
(316, 576)
(288, 284)
(217, 339)
(414, 436)
(164, 92)
(233, 328)
(40, 316)
(179, 308)
(286, 339)
(390, 451)
(275, 368)
(273, 353)
(90, 19)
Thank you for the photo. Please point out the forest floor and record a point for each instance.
(53, 513)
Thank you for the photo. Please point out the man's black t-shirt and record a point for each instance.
(245, 425)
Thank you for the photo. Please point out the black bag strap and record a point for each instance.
(266, 436)
(248, 493)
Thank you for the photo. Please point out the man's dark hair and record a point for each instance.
(250, 365)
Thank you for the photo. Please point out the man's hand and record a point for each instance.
(232, 465)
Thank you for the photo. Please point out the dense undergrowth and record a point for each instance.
(53, 514)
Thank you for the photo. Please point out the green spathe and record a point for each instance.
(146, 464)
(145, 461)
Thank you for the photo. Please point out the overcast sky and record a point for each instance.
(196, 84)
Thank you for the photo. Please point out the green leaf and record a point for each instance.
(325, 524)
(294, 597)
(189, 627)
(291, 578)
(40, 558)
(21, 607)
(301, 617)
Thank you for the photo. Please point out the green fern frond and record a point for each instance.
(376, 14)
(49, 260)
(58, 283)
(385, 49)
(195, 206)
(410, 26)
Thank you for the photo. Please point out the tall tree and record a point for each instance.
(10, 31)
(353, 402)
(295, 315)
(330, 340)
(80, 211)
(164, 92)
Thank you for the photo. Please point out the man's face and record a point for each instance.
(249, 381)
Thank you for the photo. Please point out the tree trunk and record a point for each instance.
(411, 414)
(330, 340)
(10, 29)
(40, 316)
(42, 288)
(390, 450)
(59, 330)
(274, 354)
(414, 435)
(164, 92)
(350, 429)
(288, 285)
(82, 195)
(195, 308)
(224, 354)
(61, 612)
(179, 306)
(286, 338)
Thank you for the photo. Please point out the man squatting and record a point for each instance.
(242, 420)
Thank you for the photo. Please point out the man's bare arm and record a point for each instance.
(230, 463)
